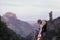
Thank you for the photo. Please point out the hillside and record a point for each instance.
(20, 27)
(8, 34)
(26, 30)
(53, 30)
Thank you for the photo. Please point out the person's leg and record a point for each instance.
(42, 34)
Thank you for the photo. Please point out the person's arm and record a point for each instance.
(41, 28)
(39, 35)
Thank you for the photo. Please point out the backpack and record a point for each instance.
(44, 29)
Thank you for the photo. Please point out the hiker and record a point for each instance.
(41, 29)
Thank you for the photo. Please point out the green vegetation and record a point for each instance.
(8, 34)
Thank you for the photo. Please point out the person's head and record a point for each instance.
(39, 21)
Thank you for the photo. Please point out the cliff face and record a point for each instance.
(24, 29)
(53, 30)
(54, 24)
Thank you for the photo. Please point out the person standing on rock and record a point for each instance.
(41, 25)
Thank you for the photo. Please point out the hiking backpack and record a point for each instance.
(44, 29)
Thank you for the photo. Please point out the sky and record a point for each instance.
(31, 10)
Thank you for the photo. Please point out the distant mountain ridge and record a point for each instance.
(26, 30)
(20, 27)
(8, 34)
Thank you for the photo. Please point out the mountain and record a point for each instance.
(20, 27)
(53, 30)
(51, 25)
(54, 24)
(26, 29)
(8, 34)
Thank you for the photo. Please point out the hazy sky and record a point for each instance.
(31, 10)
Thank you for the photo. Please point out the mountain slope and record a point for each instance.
(54, 24)
(53, 30)
(20, 27)
(8, 34)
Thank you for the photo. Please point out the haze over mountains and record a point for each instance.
(20, 27)
(26, 29)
